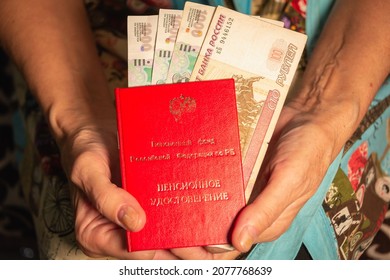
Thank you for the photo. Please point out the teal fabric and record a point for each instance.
(243, 6)
(312, 226)
(320, 238)
(179, 4)
(216, 2)
(317, 13)
(287, 246)
(320, 232)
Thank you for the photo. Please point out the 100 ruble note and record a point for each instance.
(262, 59)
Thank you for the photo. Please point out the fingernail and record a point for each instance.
(248, 236)
(129, 218)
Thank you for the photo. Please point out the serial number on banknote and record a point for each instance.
(226, 30)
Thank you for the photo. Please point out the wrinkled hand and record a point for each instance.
(301, 150)
(102, 209)
(298, 156)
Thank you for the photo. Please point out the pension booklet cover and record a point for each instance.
(181, 159)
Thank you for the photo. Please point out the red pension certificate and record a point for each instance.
(180, 158)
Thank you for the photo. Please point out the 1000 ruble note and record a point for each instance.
(193, 28)
(141, 35)
(168, 26)
(262, 59)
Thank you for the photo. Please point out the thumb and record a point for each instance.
(250, 223)
(113, 202)
(261, 220)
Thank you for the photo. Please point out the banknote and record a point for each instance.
(167, 28)
(141, 36)
(273, 21)
(193, 28)
(262, 58)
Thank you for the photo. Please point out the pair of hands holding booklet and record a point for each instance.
(67, 79)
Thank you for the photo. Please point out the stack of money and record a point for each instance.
(207, 43)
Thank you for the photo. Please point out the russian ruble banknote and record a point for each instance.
(273, 21)
(167, 28)
(193, 28)
(262, 58)
(141, 36)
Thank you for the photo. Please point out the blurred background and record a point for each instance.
(17, 235)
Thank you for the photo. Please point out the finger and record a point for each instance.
(98, 237)
(192, 253)
(114, 203)
(268, 215)
(164, 255)
(201, 253)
